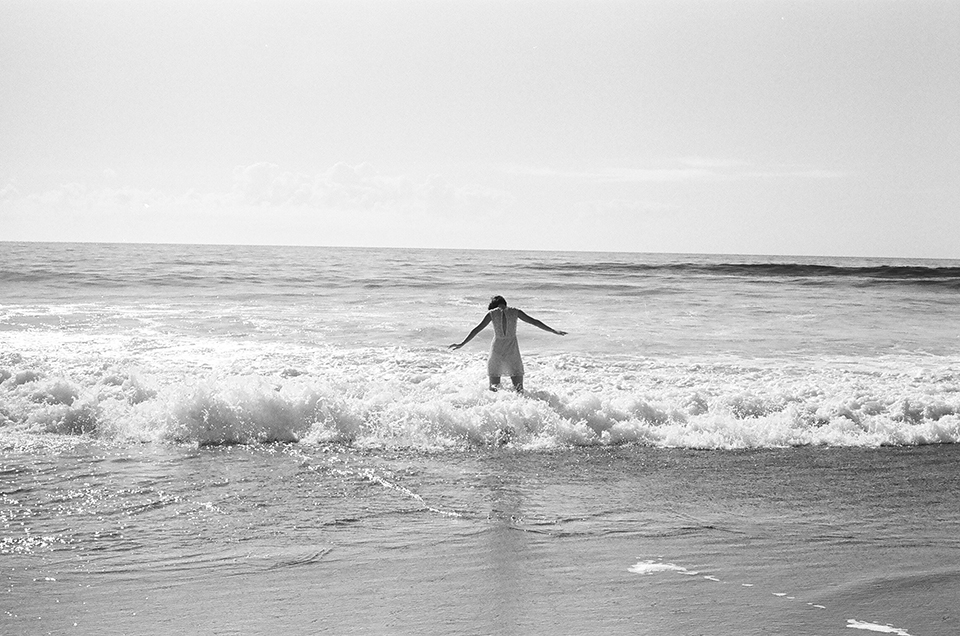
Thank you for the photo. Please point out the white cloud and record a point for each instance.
(690, 169)
(342, 187)
(266, 184)
(79, 196)
(360, 187)
(9, 192)
(343, 205)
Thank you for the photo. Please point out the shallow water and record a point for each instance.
(624, 540)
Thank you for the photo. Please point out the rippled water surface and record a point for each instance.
(243, 439)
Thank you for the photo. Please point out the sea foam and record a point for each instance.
(426, 399)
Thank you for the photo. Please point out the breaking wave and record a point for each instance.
(382, 399)
(947, 277)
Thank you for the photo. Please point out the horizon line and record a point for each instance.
(480, 249)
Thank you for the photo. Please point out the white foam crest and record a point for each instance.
(654, 567)
(421, 399)
(874, 627)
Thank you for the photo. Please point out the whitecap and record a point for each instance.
(653, 567)
(874, 627)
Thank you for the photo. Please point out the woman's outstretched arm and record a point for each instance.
(536, 323)
(476, 330)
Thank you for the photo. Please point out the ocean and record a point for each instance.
(251, 440)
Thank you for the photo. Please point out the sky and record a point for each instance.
(802, 127)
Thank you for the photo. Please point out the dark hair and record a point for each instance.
(497, 301)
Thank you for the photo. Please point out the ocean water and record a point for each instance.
(234, 440)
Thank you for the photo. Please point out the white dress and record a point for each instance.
(505, 350)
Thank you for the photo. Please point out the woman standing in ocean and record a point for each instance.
(505, 351)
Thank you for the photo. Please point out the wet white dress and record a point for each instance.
(505, 350)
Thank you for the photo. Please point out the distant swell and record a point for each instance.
(912, 275)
